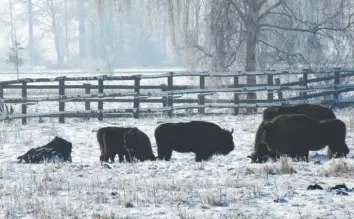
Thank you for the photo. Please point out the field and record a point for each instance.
(224, 187)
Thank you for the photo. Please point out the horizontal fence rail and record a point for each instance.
(168, 94)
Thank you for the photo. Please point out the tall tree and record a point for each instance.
(31, 52)
(82, 28)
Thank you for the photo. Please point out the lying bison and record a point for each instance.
(111, 141)
(138, 144)
(200, 137)
(315, 111)
(295, 135)
(58, 148)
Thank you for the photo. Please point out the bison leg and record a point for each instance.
(128, 156)
(111, 157)
(120, 157)
(168, 155)
(202, 157)
(160, 153)
(164, 154)
(103, 158)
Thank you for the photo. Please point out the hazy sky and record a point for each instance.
(3, 5)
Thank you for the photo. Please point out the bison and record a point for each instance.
(138, 144)
(316, 111)
(200, 137)
(56, 147)
(111, 141)
(295, 135)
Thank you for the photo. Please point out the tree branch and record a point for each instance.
(311, 30)
(283, 51)
(240, 13)
(260, 4)
(270, 9)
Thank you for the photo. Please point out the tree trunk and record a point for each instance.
(82, 29)
(31, 55)
(252, 32)
(66, 32)
(12, 24)
(56, 36)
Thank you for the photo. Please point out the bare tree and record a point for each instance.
(31, 55)
(252, 26)
(14, 56)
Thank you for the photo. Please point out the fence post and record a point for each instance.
(61, 103)
(164, 98)
(170, 97)
(87, 102)
(24, 106)
(2, 96)
(201, 97)
(336, 78)
(270, 95)
(100, 102)
(87, 91)
(303, 82)
(280, 93)
(236, 100)
(136, 97)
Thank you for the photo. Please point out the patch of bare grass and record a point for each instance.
(338, 167)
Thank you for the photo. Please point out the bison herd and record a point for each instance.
(202, 138)
(290, 131)
(285, 131)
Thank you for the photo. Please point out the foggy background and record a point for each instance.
(214, 35)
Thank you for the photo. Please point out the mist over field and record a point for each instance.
(101, 35)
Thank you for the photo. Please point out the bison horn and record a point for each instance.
(232, 130)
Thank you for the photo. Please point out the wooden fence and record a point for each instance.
(169, 94)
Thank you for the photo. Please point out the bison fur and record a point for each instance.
(111, 142)
(315, 111)
(139, 145)
(295, 135)
(200, 137)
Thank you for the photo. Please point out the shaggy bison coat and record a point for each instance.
(111, 141)
(295, 135)
(139, 145)
(202, 138)
(315, 111)
(57, 146)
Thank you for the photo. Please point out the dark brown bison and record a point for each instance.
(111, 141)
(139, 145)
(315, 111)
(58, 147)
(295, 135)
(200, 137)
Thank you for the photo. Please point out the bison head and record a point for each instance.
(226, 142)
(136, 143)
(268, 133)
(341, 150)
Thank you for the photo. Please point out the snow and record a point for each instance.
(224, 187)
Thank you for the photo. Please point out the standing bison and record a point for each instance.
(295, 135)
(138, 144)
(314, 111)
(202, 138)
(111, 141)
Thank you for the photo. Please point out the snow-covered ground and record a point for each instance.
(224, 187)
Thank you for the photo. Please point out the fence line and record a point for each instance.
(169, 93)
